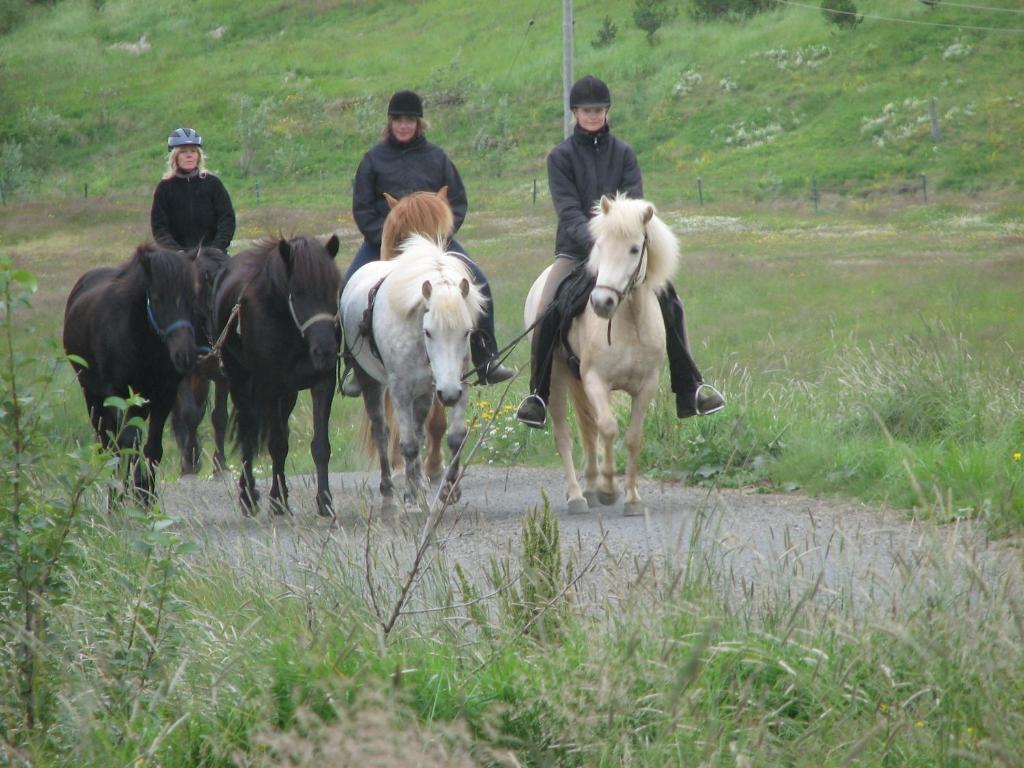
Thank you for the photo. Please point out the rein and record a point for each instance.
(502, 354)
(163, 333)
(630, 285)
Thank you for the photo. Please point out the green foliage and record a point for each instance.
(605, 36)
(652, 15)
(842, 13)
(708, 10)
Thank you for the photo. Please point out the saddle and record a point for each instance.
(570, 300)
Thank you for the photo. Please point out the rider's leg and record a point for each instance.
(693, 396)
(483, 344)
(367, 252)
(533, 410)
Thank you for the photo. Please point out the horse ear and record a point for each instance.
(648, 213)
(144, 259)
(392, 201)
(285, 249)
(464, 287)
(606, 204)
(443, 192)
(332, 246)
(427, 289)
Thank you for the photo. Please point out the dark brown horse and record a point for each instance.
(193, 392)
(283, 338)
(131, 328)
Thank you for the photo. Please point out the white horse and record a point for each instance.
(620, 342)
(423, 309)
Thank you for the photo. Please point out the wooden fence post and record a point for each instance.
(700, 190)
(924, 186)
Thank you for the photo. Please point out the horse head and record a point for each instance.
(313, 285)
(170, 280)
(210, 265)
(421, 213)
(632, 246)
(447, 324)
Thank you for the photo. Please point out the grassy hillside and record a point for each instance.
(290, 94)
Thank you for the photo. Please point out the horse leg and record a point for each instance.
(373, 401)
(411, 417)
(607, 426)
(588, 438)
(397, 462)
(219, 417)
(189, 407)
(320, 447)
(633, 504)
(277, 443)
(437, 423)
(247, 435)
(557, 403)
(451, 492)
(153, 450)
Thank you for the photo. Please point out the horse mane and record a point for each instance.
(421, 260)
(625, 220)
(165, 268)
(307, 266)
(424, 213)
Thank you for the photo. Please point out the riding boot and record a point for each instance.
(693, 396)
(484, 351)
(533, 410)
(349, 384)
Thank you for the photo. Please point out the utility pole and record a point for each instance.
(567, 63)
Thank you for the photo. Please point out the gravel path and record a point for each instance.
(753, 544)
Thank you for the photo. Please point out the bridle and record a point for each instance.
(634, 280)
(319, 317)
(163, 333)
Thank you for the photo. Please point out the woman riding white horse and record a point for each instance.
(407, 323)
(619, 341)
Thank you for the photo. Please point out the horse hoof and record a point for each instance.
(633, 509)
(592, 498)
(325, 509)
(279, 507)
(578, 506)
(388, 505)
(607, 499)
(450, 494)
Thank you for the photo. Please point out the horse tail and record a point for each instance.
(251, 421)
(366, 442)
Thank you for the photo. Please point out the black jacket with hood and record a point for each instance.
(400, 169)
(580, 170)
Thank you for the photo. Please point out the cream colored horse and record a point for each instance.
(620, 342)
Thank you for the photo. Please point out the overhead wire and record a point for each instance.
(903, 21)
(994, 9)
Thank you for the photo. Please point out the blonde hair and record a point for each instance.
(421, 128)
(172, 161)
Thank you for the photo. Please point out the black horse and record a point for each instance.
(131, 328)
(193, 392)
(283, 338)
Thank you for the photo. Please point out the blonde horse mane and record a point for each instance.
(424, 213)
(454, 298)
(626, 218)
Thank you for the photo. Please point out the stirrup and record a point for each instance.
(350, 384)
(696, 400)
(532, 399)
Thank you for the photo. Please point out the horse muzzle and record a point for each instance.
(604, 301)
(449, 396)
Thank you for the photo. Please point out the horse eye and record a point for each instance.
(427, 333)
(634, 250)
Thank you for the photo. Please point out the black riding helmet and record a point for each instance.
(589, 91)
(405, 103)
(184, 137)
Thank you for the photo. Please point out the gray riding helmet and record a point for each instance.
(184, 137)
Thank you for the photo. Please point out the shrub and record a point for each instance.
(842, 13)
(708, 10)
(606, 34)
(651, 15)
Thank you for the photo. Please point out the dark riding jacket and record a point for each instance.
(193, 209)
(401, 169)
(580, 170)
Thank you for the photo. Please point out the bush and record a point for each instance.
(606, 34)
(842, 13)
(708, 10)
(651, 15)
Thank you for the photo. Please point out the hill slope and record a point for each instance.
(290, 93)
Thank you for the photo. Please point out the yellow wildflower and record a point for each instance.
(1016, 456)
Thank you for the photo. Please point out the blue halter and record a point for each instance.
(163, 333)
